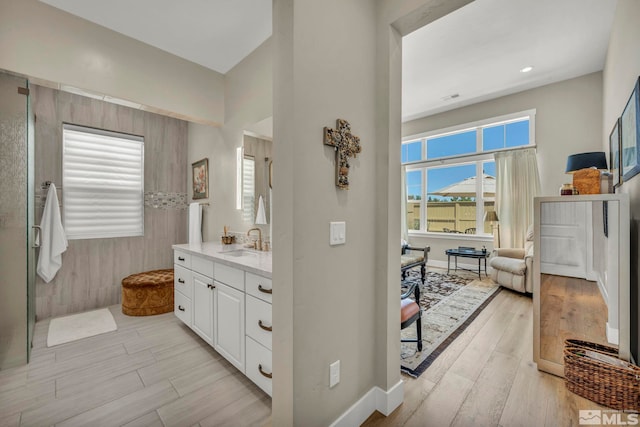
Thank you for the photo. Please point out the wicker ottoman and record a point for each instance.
(148, 293)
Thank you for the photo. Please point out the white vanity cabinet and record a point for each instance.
(258, 331)
(183, 287)
(203, 307)
(228, 320)
(229, 308)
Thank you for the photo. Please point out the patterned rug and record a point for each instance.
(449, 303)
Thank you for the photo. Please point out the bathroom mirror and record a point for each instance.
(257, 164)
(581, 275)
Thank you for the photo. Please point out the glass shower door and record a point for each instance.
(17, 257)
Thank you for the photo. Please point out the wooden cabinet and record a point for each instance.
(210, 298)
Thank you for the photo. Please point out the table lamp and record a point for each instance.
(585, 168)
(492, 217)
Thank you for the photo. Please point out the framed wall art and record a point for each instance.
(200, 174)
(614, 154)
(630, 136)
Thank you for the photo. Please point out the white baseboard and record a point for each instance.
(375, 399)
(612, 335)
(603, 289)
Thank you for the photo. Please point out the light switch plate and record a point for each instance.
(337, 233)
(334, 373)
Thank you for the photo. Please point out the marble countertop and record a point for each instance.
(256, 262)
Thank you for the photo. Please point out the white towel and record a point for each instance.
(53, 241)
(261, 217)
(195, 223)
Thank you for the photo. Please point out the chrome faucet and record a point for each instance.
(259, 241)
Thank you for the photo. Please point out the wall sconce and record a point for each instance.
(239, 157)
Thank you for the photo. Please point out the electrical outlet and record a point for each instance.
(334, 374)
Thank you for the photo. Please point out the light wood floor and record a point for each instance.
(487, 377)
(152, 371)
(570, 308)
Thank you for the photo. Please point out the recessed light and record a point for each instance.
(526, 69)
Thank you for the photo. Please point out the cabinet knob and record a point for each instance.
(266, 328)
(180, 258)
(181, 308)
(180, 281)
(264, 374)
(210, 286)
(266, 291)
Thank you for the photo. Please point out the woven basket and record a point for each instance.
(600, 382)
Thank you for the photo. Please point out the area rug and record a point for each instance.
(77, 326)
(449, 303)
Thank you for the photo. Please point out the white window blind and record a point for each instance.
(248, 189)
(103, 182)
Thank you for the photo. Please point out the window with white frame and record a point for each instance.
(451, 174)
(248, 188)
(103, 182)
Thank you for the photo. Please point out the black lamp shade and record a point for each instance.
(596, 159)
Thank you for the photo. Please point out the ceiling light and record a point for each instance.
(526, 69)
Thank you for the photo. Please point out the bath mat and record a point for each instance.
(77, 326)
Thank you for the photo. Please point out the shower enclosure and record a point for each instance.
(17, 255)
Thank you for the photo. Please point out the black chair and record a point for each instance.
(410, 312)
(417, 259)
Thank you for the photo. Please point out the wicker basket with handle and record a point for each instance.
(610, 385)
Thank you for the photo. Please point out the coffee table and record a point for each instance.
(467, 253)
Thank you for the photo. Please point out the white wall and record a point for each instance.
(53, 47)
(568, 121)
(621, 71)
(336, 303)
(248, 100)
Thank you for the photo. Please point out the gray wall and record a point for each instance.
(53, 47)
(567, 122)
(621, 71)
(92, 269)
(336, 302)
(248, 89)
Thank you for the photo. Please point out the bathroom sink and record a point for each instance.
(239, 253)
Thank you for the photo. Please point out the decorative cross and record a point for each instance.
(346, 145)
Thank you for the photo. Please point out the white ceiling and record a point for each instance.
(478, 50)
(475, 52)
(214, 33)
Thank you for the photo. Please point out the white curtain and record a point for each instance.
(404, 232)
(517, 183)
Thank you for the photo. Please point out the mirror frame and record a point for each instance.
(624, 300)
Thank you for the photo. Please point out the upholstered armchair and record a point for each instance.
(513, 268)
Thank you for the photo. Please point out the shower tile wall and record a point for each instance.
(92, 269)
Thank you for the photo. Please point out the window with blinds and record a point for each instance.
(103, 182)
(248, 189)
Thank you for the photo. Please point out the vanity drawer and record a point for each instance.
(260, 287)
(258, 365)
(182, 280)
(203, 266)
(182, 308)
(258, 320)
(230, 276)
(182, 258)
